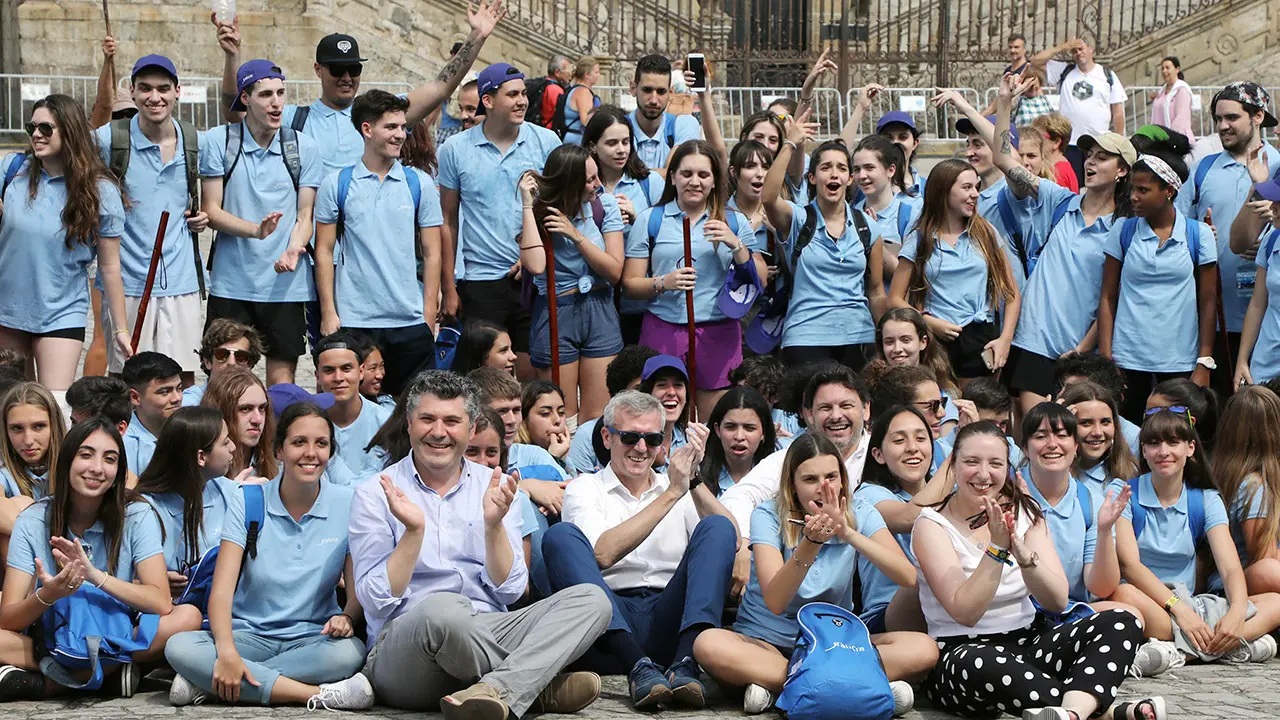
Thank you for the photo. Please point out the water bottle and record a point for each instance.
(224, 11)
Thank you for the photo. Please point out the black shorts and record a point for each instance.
(283, 325)
(965, 351)
(854, 357)
(71, 333)
(497, 301)
(1029, 372)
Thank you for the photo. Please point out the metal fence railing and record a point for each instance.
(933, 124)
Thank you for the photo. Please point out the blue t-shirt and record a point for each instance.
(1252, 502)
(886, 222)
(353, 438)
(829, 305)
(338, 142)
(654, 150)
(140, 541)
(1166, 546)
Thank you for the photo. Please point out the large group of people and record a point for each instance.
(952, 403)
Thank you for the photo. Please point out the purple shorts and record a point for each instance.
(719, 347)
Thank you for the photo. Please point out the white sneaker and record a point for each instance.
(354, 693)
(756, 699)
(1262, 649)
(1155, 657)
(182, 692)
(904, 698)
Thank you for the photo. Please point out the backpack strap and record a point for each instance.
(1005, 205)
(1126, 235)
(191, 159)
(1195, 514)
(121, 148)
(597, 214)
(300, 118)
(1193, 242)
(1086, 503)
(1138, 512)
(1269, 244)
(344, 188)
(234, 149)
(1059, 212)
(11, 172)
(864, 232)
(292, 157)
(655, 224)
(254, 515)
(807, 230)
(669, 124)
(904, 219)
(644, 185)
(1202, 171)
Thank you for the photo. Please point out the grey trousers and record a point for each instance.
(441, 645)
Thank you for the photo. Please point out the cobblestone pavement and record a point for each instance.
(1206, 691)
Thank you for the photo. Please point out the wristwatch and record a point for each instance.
(1031, 563)
(1208, 362)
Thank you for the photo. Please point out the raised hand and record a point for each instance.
(800, 130)
(485, 18)
(1259, 172)
(246, 477)
(1112, 508)
(498, 498)
(108, 47)
(832, 507)
(823, 66)
(869, 93)
(1000, 532)
(268, 225)
(228, 35)
(401, 507)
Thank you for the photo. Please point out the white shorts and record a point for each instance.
(173, 326)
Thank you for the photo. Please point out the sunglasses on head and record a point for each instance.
(1175, 409)
(631, 437)
(242, 357)
(353, 69)
(44, 128)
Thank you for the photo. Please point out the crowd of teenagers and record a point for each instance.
(789, 371)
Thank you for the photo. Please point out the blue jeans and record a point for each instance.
(695, 594)
(311, 660)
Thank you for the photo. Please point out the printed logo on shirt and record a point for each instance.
(328, 541)
(1082, 90)
(405, 207)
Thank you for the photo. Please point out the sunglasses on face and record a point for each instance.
(224, 354)
(44, 128)
(354, 70)
(933, 406)
(631, 437)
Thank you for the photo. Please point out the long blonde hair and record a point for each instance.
(983, 235)
(1246, 458)
(807, 447)
(37, 395)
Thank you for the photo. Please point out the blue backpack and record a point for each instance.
(91, 630)
(447, 344)
(201, 575)
(11, 172)
(1195, 511)
(1086, 503)
(1026, 256)
(668, 130)
(1130, 227)
(415, 191)
(835, 672)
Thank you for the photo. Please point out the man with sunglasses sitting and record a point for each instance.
(225, 343)
(660, 545)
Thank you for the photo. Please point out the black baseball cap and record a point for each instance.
(338, 49)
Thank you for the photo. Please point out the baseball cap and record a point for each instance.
(657, 363)
(965, 127)
(154, 61)
(742, 287)
(1113, 143)
(897, 116)
(285, 394)
(250, 73)
(1247, 93)
(338, 48)
(492, 77)
(1269, 190)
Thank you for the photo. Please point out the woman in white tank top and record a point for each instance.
(986, 559)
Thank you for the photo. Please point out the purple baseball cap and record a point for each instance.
(662, 362)
(742, 287)
(492, 77)
(154, 61)
(897, 116)
(1269, 190)
(250, 73)
(285, 394)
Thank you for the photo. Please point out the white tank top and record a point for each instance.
(1011, 607)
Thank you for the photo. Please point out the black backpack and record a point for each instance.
(536, 88)
(559, 121)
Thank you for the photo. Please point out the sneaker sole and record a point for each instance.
(476, 708)
(690, 695)
(658, 695)
(1044, 714)
(129, 680)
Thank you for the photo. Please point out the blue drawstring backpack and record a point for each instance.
(447, 344)
(91, 630)
(835, 672)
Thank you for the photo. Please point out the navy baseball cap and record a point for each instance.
(663, 362)
(154, 61)
(492, 77)
(285, 394)
(897, 116)
(965, 127)
(250, 73)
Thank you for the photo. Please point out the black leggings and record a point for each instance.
(984, 676)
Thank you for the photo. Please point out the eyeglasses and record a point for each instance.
(933, 406)
(242, 357)
(352, 69)
(1176, 410)
(631, 437)
(44, 128)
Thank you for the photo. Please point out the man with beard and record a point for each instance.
(655, 132)
(388, 214)
(836, 405)
(468, 103)
(1220, 185)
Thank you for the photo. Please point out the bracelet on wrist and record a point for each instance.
(1168, 604)
(790, 143)
(122, 332)
(998, 554)
(801, 563)
(104, 581)
(40, 599)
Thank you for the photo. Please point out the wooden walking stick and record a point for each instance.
(106, 18)
(692, 359)
(156, 252)
(548, 241)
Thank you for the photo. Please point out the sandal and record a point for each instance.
(1136, 710)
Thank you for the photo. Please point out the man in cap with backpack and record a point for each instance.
(1090, 95)
(156, 158)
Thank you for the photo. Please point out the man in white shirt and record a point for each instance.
(836, 405)
(661, 546)
(1089, 95)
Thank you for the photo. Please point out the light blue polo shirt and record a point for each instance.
(1166, 546)
(244, 268)
(140, 541)
(339, 143)
(572, 270)
(829, 304)
(989, 210)
(353, 438)
(1075, 544)
(1264, 363)
(1070, 265)
(139, 445)
(957, 280)
(192, 396)
(711, 261)
(877, 589)
(44, 280)
(875, 494)
(762, 232)
(535, 463)
(830, 579)
(153, 186)
(216, 497)
(1131, 433)
(1252, 502)
(654, 150)
(377, 249)
(885, 224)
(1096, 478)
(288, 591)
(1225, 190)
(487, 181)
(1157, 323)
(643, 195)
(39, 484)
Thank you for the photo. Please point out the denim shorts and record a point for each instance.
(587, 323)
